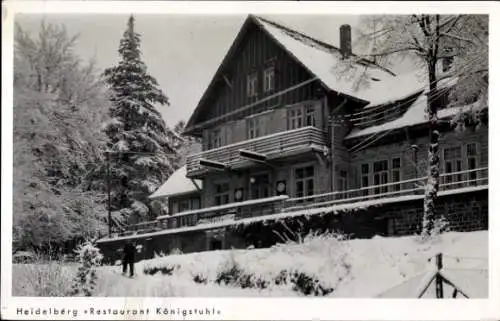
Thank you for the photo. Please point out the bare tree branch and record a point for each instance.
(456, 37)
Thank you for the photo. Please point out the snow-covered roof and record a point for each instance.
(324, 61)
(177, 184)
(415, 115)
(395, 88)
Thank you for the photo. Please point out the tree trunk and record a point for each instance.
(432, 186)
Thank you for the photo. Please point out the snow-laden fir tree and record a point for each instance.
(85, 280)
(142, 148)
(429, 41)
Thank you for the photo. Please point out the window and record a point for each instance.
(269, 79)
(253, 128)
(304, 181)
(452, 163)
(260, 186)
(216, 139)
(472, 161)
(380, 176)
(365, 177)
(303, 115)
(195, 203)
(310, 120)
(252, 84)
(221, 193)
(295, 118)
(396, 173)
(184, 205)
(342, 183)
(187, 220)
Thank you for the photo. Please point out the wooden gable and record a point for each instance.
(253, 51)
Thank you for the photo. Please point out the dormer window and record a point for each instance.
(269, 79)
(252, 79)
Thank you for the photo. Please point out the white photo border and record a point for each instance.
(238, 308)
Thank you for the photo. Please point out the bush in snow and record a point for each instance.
(231, 273)
(200, 279)
(85, 280)
(165, 270)
(160, 254)
(175, 251)
(236, 276)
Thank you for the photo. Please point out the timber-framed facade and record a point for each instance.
(286, 136)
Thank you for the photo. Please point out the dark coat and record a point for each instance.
(129, 251)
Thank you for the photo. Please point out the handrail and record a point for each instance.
(420, 179)
(357, 198)
(227, 206)
(289, 204)
(274, 143)
(257, 139)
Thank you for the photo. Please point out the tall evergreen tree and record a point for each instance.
(141, 146)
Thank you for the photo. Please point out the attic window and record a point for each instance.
(252, 84)
(269, 79)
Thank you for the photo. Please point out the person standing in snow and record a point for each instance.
(128, 258)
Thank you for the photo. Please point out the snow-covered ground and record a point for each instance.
(353, 268)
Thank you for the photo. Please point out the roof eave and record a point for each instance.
(191, 122)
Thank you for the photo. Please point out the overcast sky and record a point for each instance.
(181, 51)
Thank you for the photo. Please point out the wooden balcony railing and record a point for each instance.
(273, 146)
(416, 186)
(279, 204)
(236, 211)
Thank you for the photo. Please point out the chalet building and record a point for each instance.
(298, 135)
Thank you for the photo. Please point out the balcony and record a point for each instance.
(270, 147)
(456, 182)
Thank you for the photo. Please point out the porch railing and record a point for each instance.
(416, 186)
(278, 204)
(273, 146)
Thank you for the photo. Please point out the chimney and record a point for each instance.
(345, 41)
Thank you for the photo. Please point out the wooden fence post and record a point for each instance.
(439, 280)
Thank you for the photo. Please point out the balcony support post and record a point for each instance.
(198, 188)
(320, 159)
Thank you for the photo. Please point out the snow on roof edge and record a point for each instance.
(176, 184)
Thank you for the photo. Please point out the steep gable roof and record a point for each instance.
(325, 61)
(321, 59)
(177, 184)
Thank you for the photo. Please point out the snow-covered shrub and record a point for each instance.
(89, 257)
(311, 265)
(165, 270)
(159, 254)
(200, 279)
(175, 251)
(308, 285)
(230, 275)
